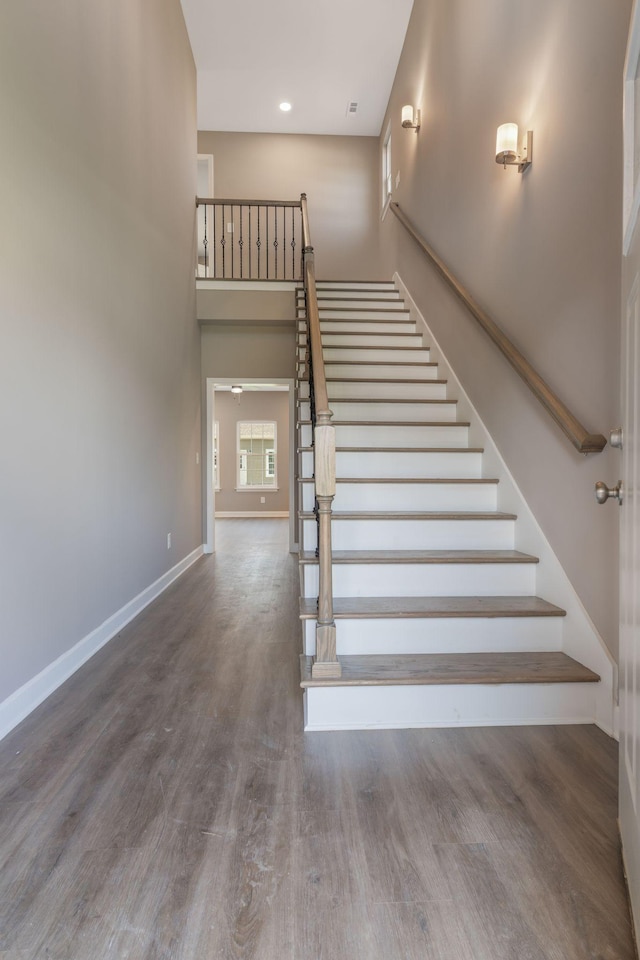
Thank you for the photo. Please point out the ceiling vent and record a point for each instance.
(352, 108)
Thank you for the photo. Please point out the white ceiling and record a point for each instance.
(253, 54)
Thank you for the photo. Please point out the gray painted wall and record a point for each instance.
(99, 368)
(542, 252)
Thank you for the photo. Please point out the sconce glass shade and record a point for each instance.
(407, 116)
(507, 143)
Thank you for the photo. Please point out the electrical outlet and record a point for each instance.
(197, 457)
(168, 541)
(263, 499)
(397, 179)
(229, 228)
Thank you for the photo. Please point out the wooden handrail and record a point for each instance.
(582, 440)
(218, 202)
(325, 663)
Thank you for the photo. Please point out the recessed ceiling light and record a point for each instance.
(285, 106)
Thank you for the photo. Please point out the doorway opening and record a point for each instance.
(250, 453)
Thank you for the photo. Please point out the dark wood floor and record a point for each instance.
(166, 805)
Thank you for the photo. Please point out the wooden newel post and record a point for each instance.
(326, 663)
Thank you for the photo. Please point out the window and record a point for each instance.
(216, 456)
(257, 455)
(386, 168)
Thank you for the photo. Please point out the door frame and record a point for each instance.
(629, 750)
(210, 539)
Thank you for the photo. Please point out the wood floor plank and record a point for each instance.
(165, 804)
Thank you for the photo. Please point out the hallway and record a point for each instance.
(165, 803)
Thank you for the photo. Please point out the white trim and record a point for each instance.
(254, 489)
(239, 514)
(208, 158)
(206, 283)
(24, 700)
(581, 639)
(631, 189)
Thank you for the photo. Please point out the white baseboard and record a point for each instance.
(26, 698)
(247, 514)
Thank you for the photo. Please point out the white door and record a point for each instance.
(630, 472)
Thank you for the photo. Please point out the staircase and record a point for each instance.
(437, 618)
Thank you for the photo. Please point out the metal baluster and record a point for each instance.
(267, 242)
(284, 243)
(275, 240)
(241, 241)
(250, 273)
(206, 244)
(223, 244)
(258, 243)
(293, 243)
(233, 238)
(215, 249)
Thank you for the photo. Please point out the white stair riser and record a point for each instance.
(305, 463)
(303, 389)
(380, 313)
(358, 339)
(305, 434)
(362, 303)
(414, 534)
(403, 435)
(379, 410)
(408, 496)
(387, 391)
(353, 410)
(404, 464)
(391, 464)
(381, 371)
(356, 285)
(424, 579)
(361, 326)
(383, 340)
(374, 355)
(440, 635)
(353, 708)
(392, 313)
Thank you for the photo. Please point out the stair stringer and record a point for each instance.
(581, 639)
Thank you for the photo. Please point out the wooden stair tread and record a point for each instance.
(400, 449)
(384, 363)
(406, 449)
(379, 309)
(398, 608)
(374, 346)
(393, 423)
(443, 400)
(413, 515)
(424, 556)
(378, 380)
(449, 668)
(433, 480)
(368, 333)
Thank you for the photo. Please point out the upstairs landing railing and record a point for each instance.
(249, 239)
(326, 663)
(579, 436)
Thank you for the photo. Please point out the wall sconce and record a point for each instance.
(507, 147)
(410, 118)
(236, 389)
